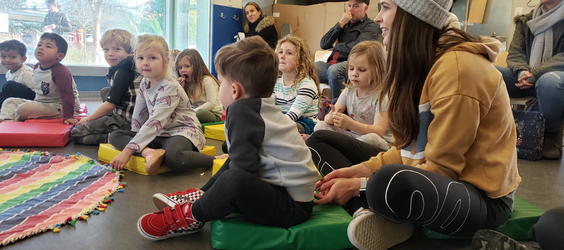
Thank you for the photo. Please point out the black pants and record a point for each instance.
(441, 204)
(331, 150)
(15, 89)
(238, 191)
(181, 154)
(400, 192)
(548, 231)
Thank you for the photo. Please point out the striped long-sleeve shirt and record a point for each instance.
(302, 101)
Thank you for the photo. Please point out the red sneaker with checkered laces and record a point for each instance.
(169, 222)
(191, 195)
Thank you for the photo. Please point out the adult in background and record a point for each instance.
(354, 27)
(535, 67)
(55, 21)
(258, 24)
(453, 168)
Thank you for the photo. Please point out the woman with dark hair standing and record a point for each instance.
(258, 24)
(453, 168)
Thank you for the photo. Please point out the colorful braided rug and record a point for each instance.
(39, 190)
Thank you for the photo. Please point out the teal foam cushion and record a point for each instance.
(326, 229)
(520, 221)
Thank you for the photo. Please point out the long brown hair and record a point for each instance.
(304, 65)
(199, 72)
(414, 47)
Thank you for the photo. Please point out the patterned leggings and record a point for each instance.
(400, 193)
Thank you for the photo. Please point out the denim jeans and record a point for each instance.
(549, 91)
(335, 75)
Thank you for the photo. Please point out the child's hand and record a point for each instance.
(83, 120)
(341, 120)
(121, 159)
(181, 81)
(333, 109)
(71, 120)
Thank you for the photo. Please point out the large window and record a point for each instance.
(88, 19)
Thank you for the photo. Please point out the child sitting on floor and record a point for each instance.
(268, 177)
(365, 121)
(55, 89)
(164, 126)
(201, 86)
(19, 78)
(297, 88)
(94, 129)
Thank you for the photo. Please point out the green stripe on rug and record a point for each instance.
(24, 158)
(45, 187)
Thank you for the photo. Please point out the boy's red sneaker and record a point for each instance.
(170, 222)
(191, 195)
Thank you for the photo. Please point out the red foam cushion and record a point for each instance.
(59, 120)
(31, 134)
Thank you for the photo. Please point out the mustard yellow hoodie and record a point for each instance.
(466, 126)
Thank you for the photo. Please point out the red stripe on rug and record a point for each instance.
(49, 170)
(93, 198)
(23, 177)
(50, 215)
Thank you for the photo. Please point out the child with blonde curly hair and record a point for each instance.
(297, 88)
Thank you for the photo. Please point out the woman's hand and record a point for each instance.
(341, 185)
(337, 191)
(121, 159)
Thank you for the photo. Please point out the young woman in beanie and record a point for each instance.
(453, 168)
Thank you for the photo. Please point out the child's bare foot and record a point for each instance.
(223, 156)
(153, 160)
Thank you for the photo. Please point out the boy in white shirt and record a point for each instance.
(19, 76)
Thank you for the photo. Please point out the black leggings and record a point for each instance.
(331, 150)
(441, 204)
(181, 154)
(238, 191)
(400, 192)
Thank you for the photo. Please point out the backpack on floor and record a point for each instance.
(530, 134)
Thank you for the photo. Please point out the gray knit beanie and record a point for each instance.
(433, 12)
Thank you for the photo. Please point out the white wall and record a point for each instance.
(230, 3)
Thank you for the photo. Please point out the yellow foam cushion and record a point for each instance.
(136, 164)
(217, 163)
(216, 132)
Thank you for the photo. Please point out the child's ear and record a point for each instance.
(61, 56)
(24, 58)
(238, 92)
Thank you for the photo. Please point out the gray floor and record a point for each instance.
(115, 228)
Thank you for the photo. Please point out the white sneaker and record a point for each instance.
(370, 231)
